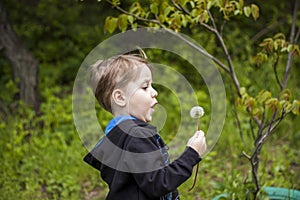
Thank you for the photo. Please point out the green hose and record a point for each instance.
(274, 193)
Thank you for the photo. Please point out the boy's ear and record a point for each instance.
(118, 97)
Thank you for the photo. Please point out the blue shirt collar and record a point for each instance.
(115, 121)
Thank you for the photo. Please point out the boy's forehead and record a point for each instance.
(145, 73)
(144, 76)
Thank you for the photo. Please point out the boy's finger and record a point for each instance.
(199, 134)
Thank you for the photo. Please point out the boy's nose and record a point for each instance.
(154, 93)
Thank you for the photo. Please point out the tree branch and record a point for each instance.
(225, 50)
(267, 29)
(177, 35)
(292, 39)
(261, 125)
(23, 63)
(264, 138)
(276, 123)
(201, 51)
(237, 119)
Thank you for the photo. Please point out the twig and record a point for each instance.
(180, 8)
(195, 179)
(252, 128)
(257, 121)
(277, 121)
(297, 35)
(212, 19)
(246, 155)
(258, 35)
(222, 28)
(275, 72)
(264, 138)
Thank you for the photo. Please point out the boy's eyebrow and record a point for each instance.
(146, 81)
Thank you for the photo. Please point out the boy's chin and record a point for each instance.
(145, 119)
(148, 119)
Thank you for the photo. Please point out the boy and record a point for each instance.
(131, 157)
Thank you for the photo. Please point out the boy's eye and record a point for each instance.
(144, 87)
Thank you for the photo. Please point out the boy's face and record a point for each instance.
(141, 96)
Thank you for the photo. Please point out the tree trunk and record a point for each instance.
(24, 65)
(255, 167)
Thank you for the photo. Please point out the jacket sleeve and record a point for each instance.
(149, 171)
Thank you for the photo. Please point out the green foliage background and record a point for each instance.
(41, 156)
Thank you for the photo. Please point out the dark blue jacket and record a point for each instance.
(133, 161)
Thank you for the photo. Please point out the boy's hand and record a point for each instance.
(198, 142)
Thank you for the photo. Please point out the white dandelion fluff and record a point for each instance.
(197, 112)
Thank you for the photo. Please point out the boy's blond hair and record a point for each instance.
(115, 72)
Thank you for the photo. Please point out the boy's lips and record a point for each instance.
(154, 104)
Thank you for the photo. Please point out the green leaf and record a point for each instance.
(204, 17)
(236, 12)
(243, 91)
(182, 2)
(263, 96)
(296, 107)
(266, 42)
(287, 106)
(272, 104)
(192, 4)
(184, 21)
(154, 8)
(286, 94)
(296, 50)
(279, 36)
(134, 26)
(122, 22)
(257, 112)
(221, 3)
(161, 18)
(130, 19)
(290, 48)
(255, 11)
(136, 9)
(194, 13)
(210, 4)
(167, 10)
(260, 58)
(116, 2)
(250, 102)
(241, 2)
(177, 18)
(110, 24)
